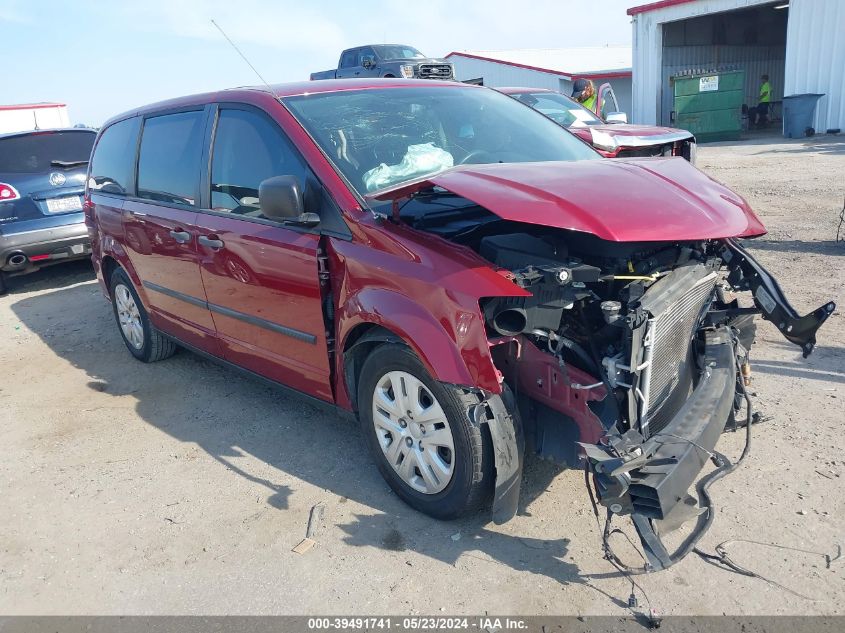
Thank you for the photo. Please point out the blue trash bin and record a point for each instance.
(798, 113)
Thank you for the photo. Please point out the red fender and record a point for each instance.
(453, 350)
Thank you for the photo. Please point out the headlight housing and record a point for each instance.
(407, 71)
(693, 151)
(604, 141)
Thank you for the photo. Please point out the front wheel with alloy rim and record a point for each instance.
(419, 432)
(145, 342)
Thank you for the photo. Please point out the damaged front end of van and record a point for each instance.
(625, 352)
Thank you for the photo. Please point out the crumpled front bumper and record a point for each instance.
(678, 453)
(649, 479)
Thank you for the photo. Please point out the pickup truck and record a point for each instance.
(387, 60)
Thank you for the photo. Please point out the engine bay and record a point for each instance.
(626, 359)
(585, 312)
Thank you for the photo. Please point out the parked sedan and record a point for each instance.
(461, 274)
(42, 177)
(614, 140)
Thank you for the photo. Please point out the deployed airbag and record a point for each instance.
(419, 160)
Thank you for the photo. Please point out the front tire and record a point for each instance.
(143, 341)
(418, 430)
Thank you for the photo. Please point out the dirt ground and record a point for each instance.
(181, 487)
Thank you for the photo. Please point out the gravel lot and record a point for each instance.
(181, 487)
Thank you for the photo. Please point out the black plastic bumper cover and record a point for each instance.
(57, 242)
(501, 416)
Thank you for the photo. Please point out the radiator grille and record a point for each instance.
(435, 71)
(668, 376)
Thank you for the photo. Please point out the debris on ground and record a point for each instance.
(314, 519)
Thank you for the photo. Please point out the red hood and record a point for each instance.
(631, 133)
(630, 200)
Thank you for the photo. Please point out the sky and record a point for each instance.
(102, 58)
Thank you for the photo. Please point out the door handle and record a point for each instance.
(183, 237)
(211, 241)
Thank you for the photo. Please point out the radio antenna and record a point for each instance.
(223, 33)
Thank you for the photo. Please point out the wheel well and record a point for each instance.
(360, 342)
(109, 265)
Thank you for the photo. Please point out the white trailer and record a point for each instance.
(33, 116)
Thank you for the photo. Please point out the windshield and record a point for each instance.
(381, 137)
(398, 52)
(559, 108)
(43, 151)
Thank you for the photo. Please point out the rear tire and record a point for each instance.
(436, 459)
(142, 340)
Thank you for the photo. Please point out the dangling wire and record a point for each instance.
(721, 557)
(608, 552)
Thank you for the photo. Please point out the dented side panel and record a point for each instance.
(423, 289)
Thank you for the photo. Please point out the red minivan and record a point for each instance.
(434, 258)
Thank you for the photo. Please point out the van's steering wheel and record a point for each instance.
(473, 154)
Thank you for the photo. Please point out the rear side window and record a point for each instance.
(114, 158)
(249, 148)
(45, 151)
(169, 161)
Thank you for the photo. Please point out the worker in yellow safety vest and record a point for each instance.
(759, 116)
(584, 93)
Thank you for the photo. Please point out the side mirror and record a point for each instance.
(616, 117)
(368, 62)
(280, 198)
(307, 220)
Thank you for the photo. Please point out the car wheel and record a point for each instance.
(419, 432)
(145, 342)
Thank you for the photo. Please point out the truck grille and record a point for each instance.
(435, 71)
(667, 379)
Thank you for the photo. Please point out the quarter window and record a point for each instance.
(114, 158)
(249, 148)
(169, 162)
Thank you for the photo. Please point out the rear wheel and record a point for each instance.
(145, 342)
(419, 432)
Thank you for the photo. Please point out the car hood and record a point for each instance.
(628, 200)
(419, 60)
(628, 135)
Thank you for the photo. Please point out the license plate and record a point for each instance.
(77, 249)
(62, 205)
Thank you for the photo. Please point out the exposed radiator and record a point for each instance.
(667, 379)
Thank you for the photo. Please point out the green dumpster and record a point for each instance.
(710, 104)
